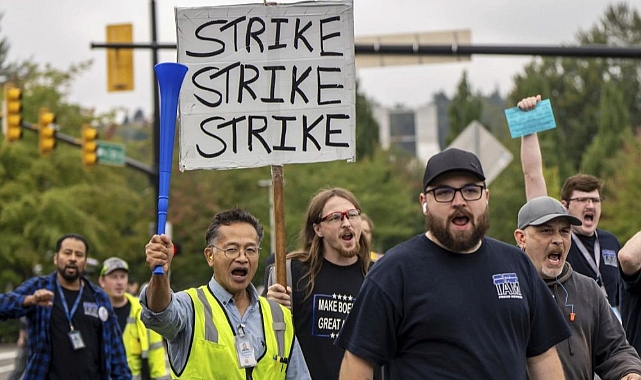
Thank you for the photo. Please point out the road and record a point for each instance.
(7, 354)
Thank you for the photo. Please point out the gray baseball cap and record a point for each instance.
(112, 264)
(543, 209)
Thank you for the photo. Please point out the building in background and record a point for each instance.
(421, 132)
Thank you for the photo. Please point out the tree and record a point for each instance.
(44, 198)
(613, 131)
(622, 191)
(575, 88)
(464, 108)
(366, 127)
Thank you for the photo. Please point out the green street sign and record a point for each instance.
(111, 154)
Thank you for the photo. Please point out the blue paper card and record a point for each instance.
(523, 123)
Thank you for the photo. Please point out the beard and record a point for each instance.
(348, 253)
(69, 277)
(458, 241)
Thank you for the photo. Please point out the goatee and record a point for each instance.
(69, 277)
(348, 253)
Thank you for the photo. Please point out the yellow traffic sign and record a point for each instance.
(120, 62)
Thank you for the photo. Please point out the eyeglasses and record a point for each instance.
(337, 216)
(446, 194)
(234, 252)
(594, 200)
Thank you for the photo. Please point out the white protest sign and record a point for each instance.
(267, 85)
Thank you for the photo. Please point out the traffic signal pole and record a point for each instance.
(585, 51)
(75, 141)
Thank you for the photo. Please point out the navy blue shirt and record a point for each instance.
(608, 263)
(428, 313)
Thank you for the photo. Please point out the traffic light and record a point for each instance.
(89, 146)
(46, 131)
(12, 113)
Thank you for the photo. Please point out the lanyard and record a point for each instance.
(594, 262)
(63, 300)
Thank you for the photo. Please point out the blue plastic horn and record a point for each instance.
(170, 77)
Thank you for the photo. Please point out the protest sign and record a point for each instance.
(266, 85)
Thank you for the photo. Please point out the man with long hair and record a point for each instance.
(327, 272)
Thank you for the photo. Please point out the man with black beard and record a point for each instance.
(326, 274)
(452, 303)
(73, 331)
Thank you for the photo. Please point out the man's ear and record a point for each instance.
(519, 236)
(564, 203)
(208, 252)
(422, 199)
(317, 229)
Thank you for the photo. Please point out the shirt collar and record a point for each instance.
(225, 297)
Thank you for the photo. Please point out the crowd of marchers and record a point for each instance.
(561, 302)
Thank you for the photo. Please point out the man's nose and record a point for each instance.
(557, 238)
(458, 198)
(345, 221)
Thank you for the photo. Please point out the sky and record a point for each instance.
(60, 33)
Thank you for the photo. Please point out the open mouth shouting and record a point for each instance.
(589, 218)
(347, 236)
(239, 274)
(461, 220)
(555, 259)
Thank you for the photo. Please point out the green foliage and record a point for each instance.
(366, 127)
(576, 86)
(622, 192)
(44, 198)
(464, 108)
(507, 195)
(386, 186)
(614, 130)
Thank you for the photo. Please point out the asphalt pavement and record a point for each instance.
(7, 355)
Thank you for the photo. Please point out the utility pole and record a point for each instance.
(154, 90)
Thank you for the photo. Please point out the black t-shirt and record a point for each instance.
(608, 263)
(67, 363)
(123, 313)
(319, 318)
(428, 313)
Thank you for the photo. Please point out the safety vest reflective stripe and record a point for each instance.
(279, 326)
(211, 333)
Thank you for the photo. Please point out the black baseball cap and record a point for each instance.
(452, 160)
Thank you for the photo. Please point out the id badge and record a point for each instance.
(76, 340)
(245, 351)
